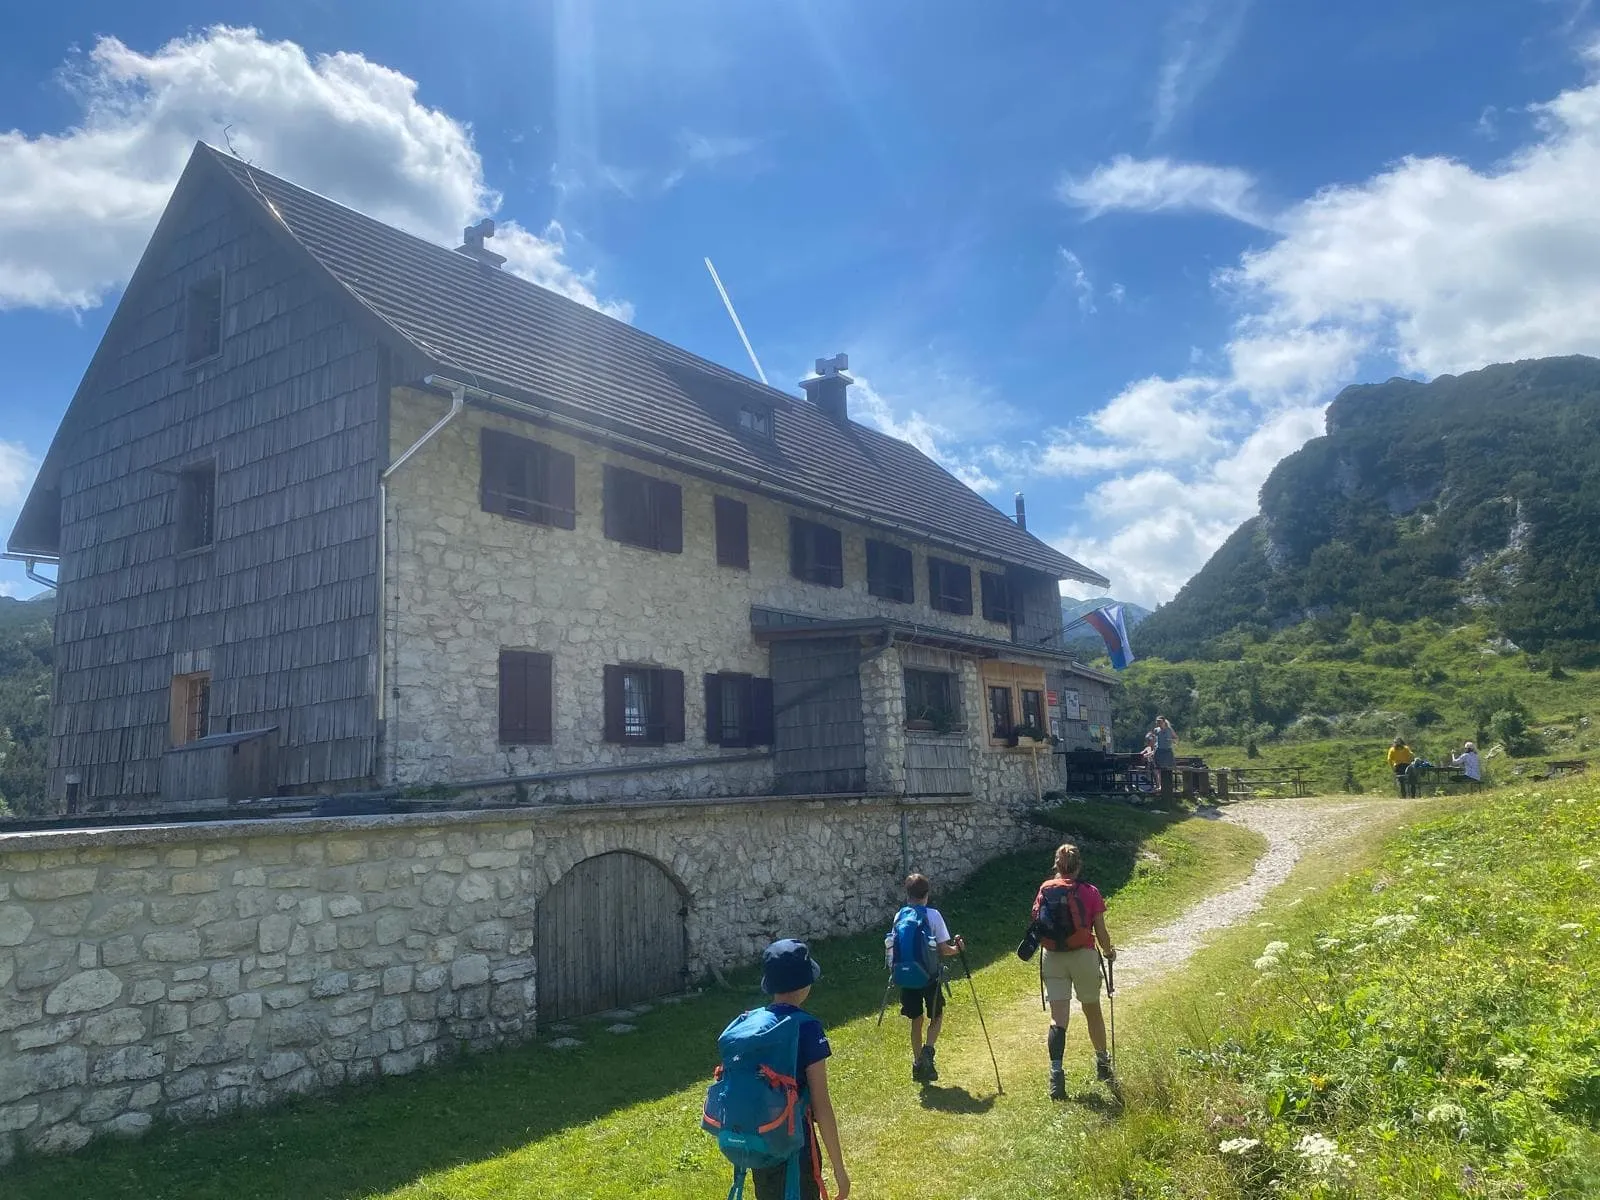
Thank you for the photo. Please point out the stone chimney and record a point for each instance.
(826, 389)
(1022, 512)
(472, 246)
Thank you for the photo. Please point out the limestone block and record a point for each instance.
(397, 980)
(19, 1012)
(103, 1104)
(431, 979)
(195, 883)
(246, 1005)
(309, 910)
(206, 1012)
(212, 1046)
(285, 997)
(67, 918)
(274, 933)
(40, 964)
(170, 1018)
(182, 993)
(114, 1028)
(14, 1117)
(179, 945)
(469, 971)
(343, 906)
(388, 1012)
(357, 1002)
(119, 951)
(64, 1138)
(391, 927)
(29, 1074)
(84, 992)
(229, 937)
(56, 885)
(345, 851)
(146, 991)
(128, 1062)
(354, 936)
(281, 1063)
(129, 1124)
(250, 877)
(332, 983)
(52, 1033)
(297, 1027)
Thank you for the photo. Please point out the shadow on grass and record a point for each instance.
(1108, 1107)
(372, 1139)
(955, 1100)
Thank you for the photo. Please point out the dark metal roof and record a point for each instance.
(494, 330)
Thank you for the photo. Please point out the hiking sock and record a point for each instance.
(1056, 1042)
(1058, 1082)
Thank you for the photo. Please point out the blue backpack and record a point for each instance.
(913, 953)
(757, 1110)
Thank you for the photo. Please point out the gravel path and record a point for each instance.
(1291, 828)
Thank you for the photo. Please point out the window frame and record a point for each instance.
(1040, 720)
(996, 691)
(195, 514)
(659, 512)
(661, 720)
(941, 571)
(189, 712)
(805, 564)
(914, 688)
(217, 280)
(747, 699)
(752, 418)
(551, 497)
(883, 579)
(998, 596)
(1017, 680)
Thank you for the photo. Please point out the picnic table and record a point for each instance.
(1288, 780)
(1439, 777)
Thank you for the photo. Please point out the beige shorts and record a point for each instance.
(1069, 971)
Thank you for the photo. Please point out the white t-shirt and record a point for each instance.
(1468, 763)
(936, 925)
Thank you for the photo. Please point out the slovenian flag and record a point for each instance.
(1107, 622)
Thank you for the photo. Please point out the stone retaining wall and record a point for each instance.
(185, 971)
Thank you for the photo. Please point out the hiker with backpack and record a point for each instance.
(1068, 919)
(917, 941)
(769, 1104)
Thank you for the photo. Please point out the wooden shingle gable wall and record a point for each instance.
(282, 604)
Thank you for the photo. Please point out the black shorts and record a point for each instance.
(770, 1181)
(914, 1001)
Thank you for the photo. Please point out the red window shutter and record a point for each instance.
(713, 710)
(761, 713)
(613, 704)
(672, 705)
(733, 532)
(666, 502)
(561, 488)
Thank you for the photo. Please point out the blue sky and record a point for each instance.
(1117, 256)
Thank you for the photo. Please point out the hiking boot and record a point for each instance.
(930, 1073)
(1102, 1069)
(1058, 1084)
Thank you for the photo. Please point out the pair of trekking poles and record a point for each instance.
(967, 970)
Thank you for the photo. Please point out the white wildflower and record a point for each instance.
(1430, 899)
(1321, 1154)
(1239, 1145)
(1585, 863)
(1446, 1112)
(1394, 925)
(1270, 955)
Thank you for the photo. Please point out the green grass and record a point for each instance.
(619, 1117)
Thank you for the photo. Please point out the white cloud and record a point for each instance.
(1198, 40)
(17, 467)
(1082, 286)
(926, 433)
(77, 207)
(1429, 266)
(1150, 185)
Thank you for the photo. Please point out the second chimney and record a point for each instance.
(826, 389)
(472, 239)
(1022, 513)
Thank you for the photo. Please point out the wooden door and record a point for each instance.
(611, 933)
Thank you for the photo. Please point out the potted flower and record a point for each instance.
(1026, 737)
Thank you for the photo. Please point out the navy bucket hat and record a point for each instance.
(787, 966)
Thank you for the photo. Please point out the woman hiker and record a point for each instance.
(1069, 917)
(1166, 753)
(1399, 759)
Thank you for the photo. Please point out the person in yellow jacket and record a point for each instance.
(1400, 757)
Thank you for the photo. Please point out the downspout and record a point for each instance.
(27, 568)
(458, 401)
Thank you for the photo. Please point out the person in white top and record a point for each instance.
(1467, 760)
(914, 1002)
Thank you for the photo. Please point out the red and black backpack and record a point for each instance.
(1059, 917)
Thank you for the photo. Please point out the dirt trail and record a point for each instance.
(1291, 828)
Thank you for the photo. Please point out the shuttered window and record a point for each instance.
(738, 710)
(950, 586)
(527, 480)
(999, 713)
(933, 699)
(889, 574)
(202, 320)
(643, 511)
(1033, 713)
(643, 705)
(998, 602)
(197, 506)
(816, 553)
(525, 698)
(190, 707)
(733, 532)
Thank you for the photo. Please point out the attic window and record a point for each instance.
(202, 320)
(197, 506)
(755, 421)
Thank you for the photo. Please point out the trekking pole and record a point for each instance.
(1109, 970)
(887, 988)
(965, 966)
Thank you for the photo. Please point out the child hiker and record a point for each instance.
(770, 1104)
(918, 940)
(1069, 917)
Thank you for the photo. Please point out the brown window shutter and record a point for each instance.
(611, 504)
(541, 727)
(733, 532)
(667, 507)
(672, 705)
(613, 704)
(513, 697)
(491, 472)
(831, 547)
(798, 531)
(713, 710)
(761, 714)
(561, 488)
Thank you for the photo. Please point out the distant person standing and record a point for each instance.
(1399, 758)
(1467, 760)
(1166, 753)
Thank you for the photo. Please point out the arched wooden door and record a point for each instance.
(611, 932)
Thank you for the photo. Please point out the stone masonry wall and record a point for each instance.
(461, 584)
(182, 972)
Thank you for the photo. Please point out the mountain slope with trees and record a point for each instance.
(25, 670)
(1475, 494)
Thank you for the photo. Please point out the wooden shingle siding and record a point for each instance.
(820, 741)
(284, 601)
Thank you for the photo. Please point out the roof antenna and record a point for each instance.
(727, 303)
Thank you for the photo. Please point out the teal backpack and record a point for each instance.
(913, 954)
(757, 1110)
